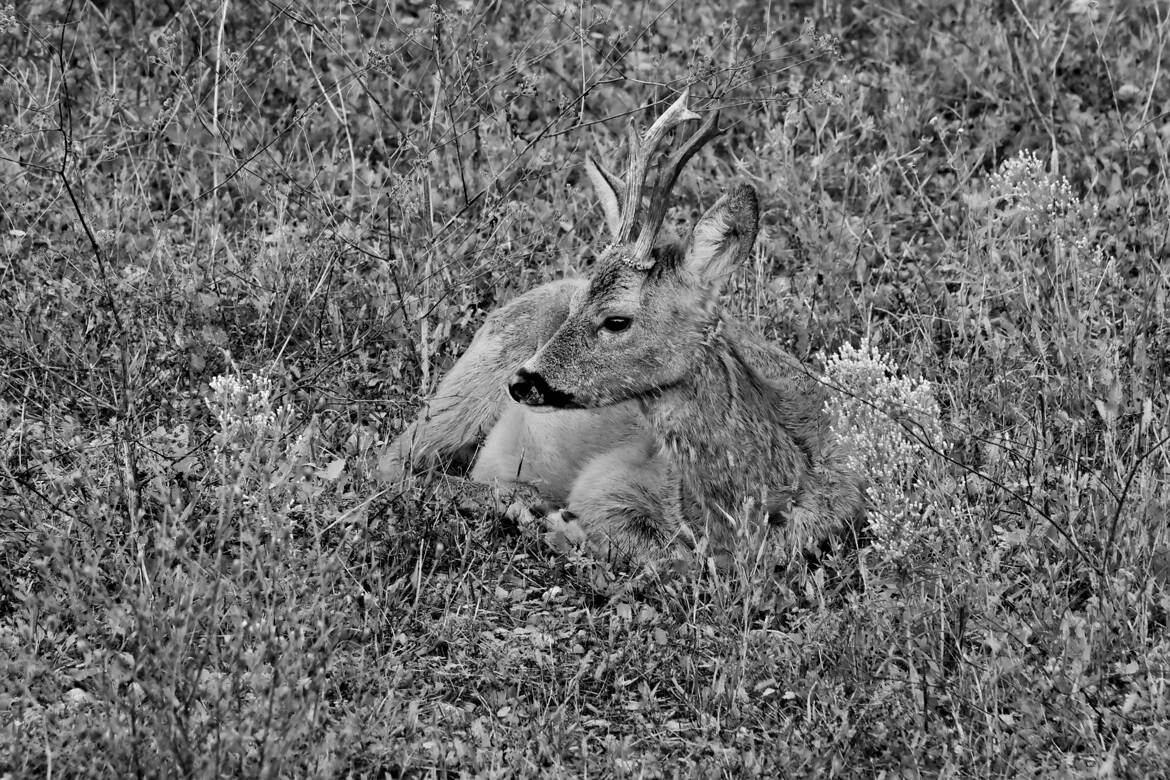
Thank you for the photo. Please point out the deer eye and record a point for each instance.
(615, 324)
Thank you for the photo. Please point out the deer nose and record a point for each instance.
(528, 387)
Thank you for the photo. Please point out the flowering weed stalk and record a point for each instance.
(890, 427)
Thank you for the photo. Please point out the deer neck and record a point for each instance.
(719, 386)
(724, 430)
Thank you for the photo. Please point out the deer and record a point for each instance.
(631, 399)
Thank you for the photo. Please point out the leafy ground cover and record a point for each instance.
(240, 241)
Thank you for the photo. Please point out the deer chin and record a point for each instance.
(642, 397)
(550, 409)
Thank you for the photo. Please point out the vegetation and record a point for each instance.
(240, 241)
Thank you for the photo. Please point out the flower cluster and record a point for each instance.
(889, 427)
(1029, 203)
(242, 405)
(1023, 187)
(821, 43)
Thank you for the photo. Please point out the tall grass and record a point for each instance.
(240, 241)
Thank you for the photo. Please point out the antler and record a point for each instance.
(641, 150)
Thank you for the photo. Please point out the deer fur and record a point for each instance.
(632, 399)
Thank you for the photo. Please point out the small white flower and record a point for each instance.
(242, 405)
(890, 428)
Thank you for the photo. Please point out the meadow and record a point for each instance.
(241, 242)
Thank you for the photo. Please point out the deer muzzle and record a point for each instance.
(531, 389)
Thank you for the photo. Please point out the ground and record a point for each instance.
(241, 242)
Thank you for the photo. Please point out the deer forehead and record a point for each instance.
(613, 282)
(617, 280)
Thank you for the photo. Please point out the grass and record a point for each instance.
(242, 241)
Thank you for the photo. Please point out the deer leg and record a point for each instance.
(625, 505)
(830, 503)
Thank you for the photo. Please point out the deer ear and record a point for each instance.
(609, 189)
(723, 237)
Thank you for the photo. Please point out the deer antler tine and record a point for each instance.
(676, 114)
(682, 155)
(641, 149)
(667, 175)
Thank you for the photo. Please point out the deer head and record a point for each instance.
(637, 327)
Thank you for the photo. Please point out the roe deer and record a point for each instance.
(636, 403)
